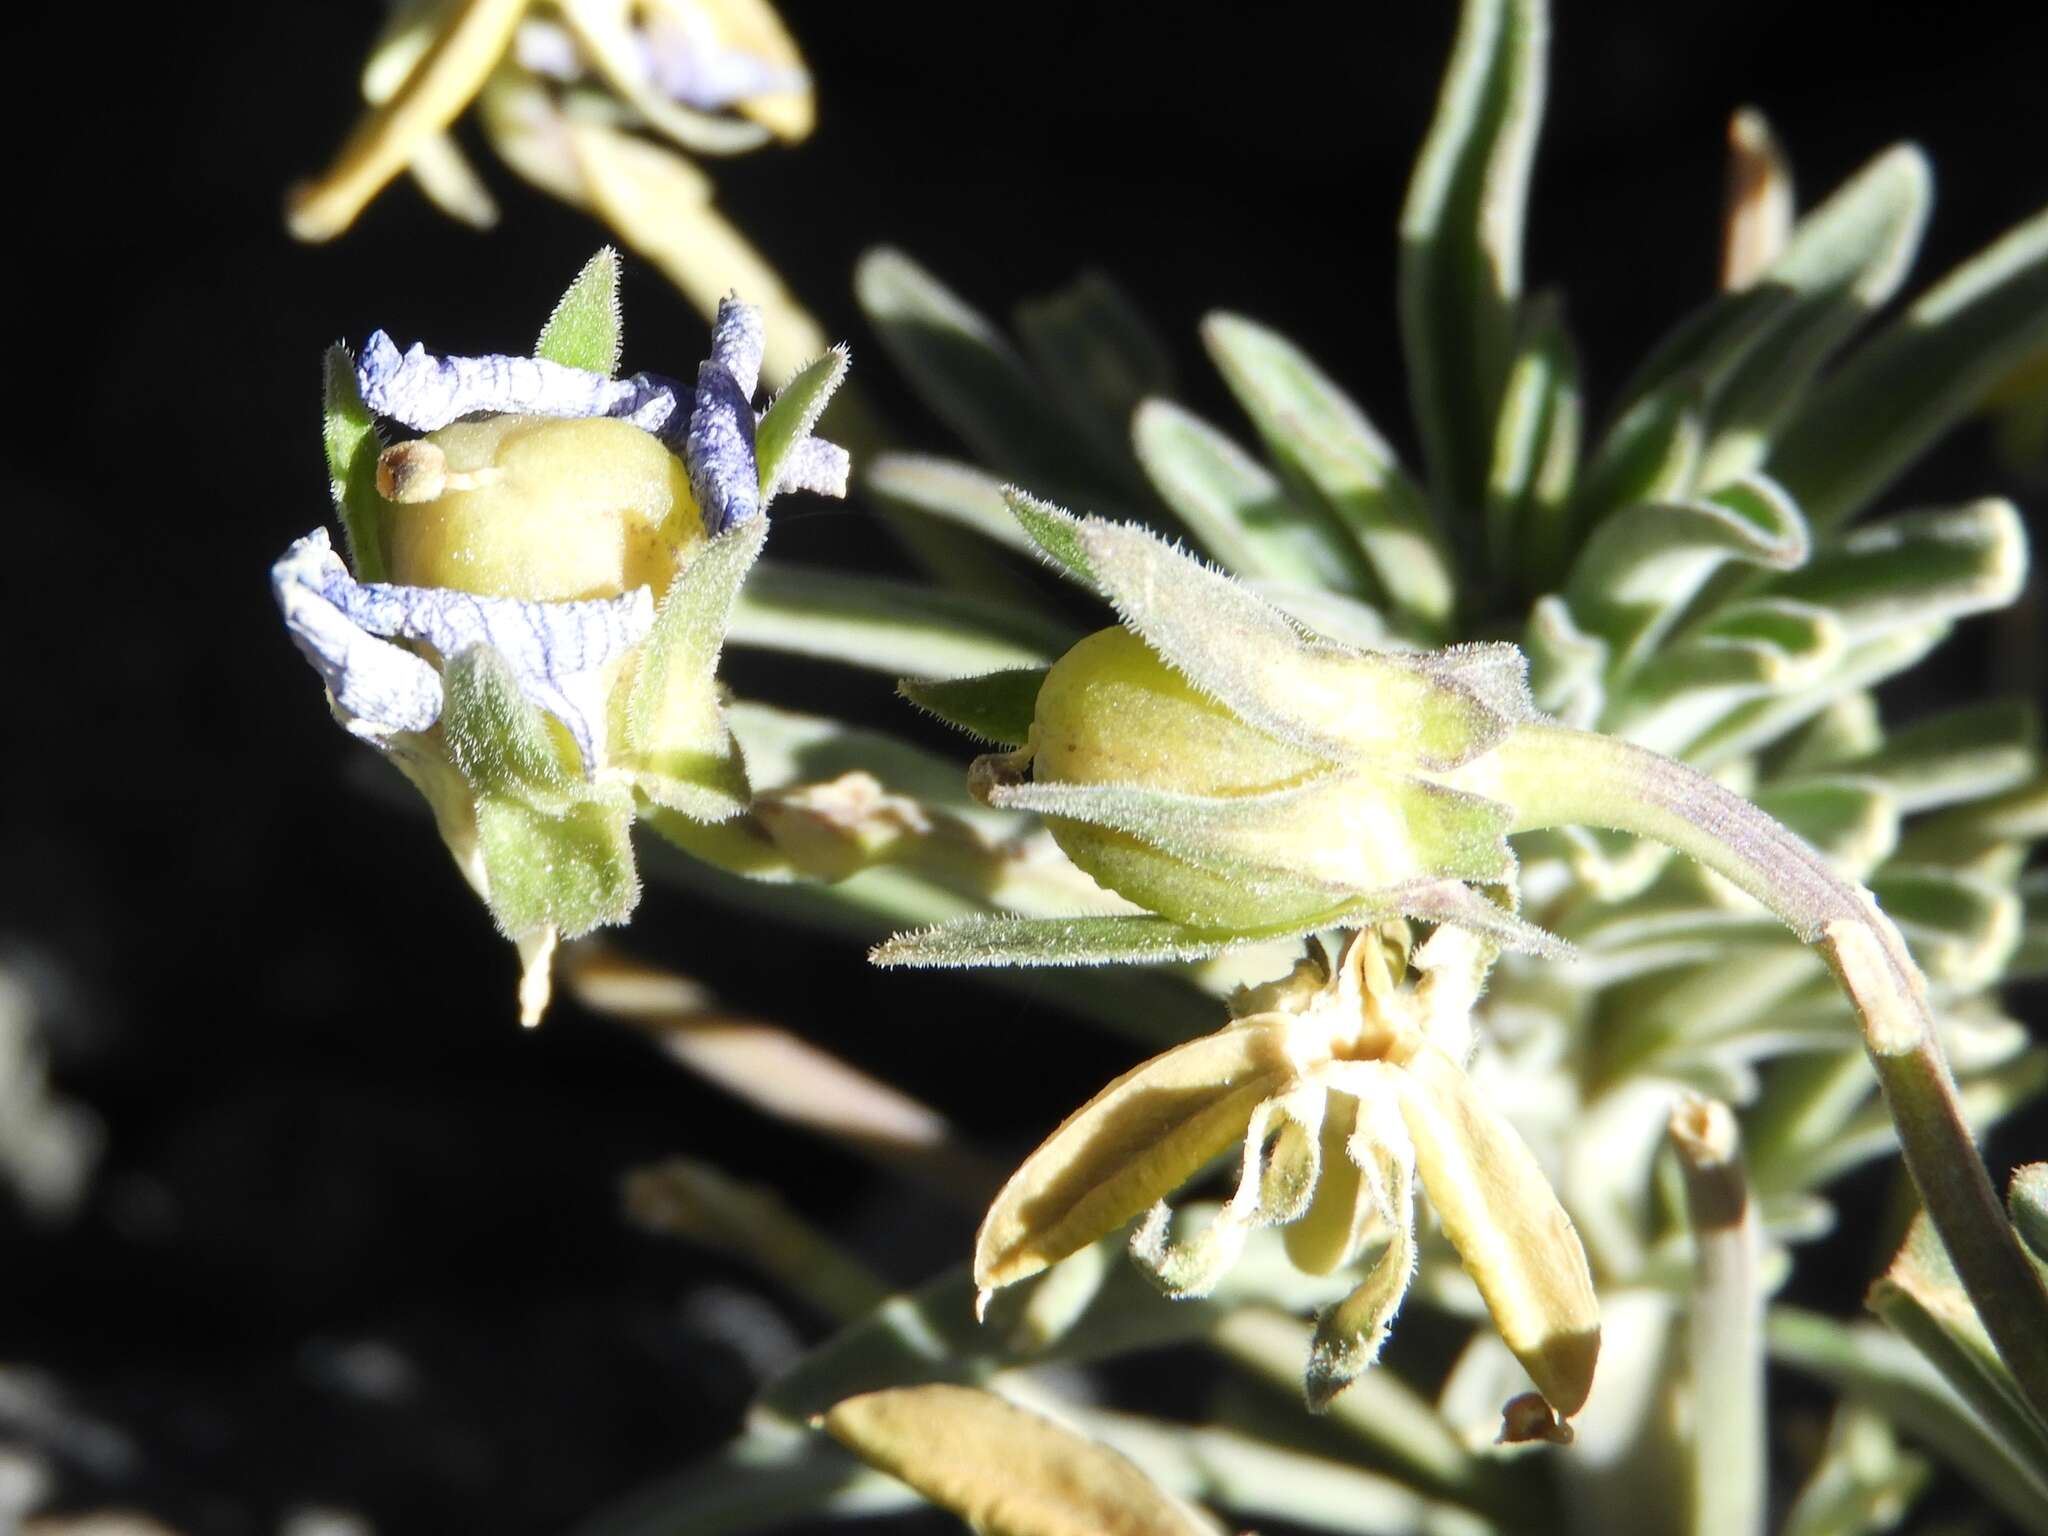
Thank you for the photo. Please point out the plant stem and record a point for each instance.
(1555, 776)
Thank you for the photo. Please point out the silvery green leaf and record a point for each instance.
(1240, 515)
(1706, 346)
(898, 627)
(1535, 453)
(1965, 832)
(350, 435)
(678, 745)
(1761, 650)
(1916, 568)
(996, 706)
(1920, 1298)
(584, 331)
(1843, 261)
(1461, 240)
(1868, 1365)
(1651, 454)
(1901, 390)
(955, 493)
(1853, 821)
(1100, 357)
(1752, 726)
(1320, 436)
(786, 427)
(1961, 927)
(1847, 731)
(1964, 754)
(1641, 567)
(967, 373)
(2027, 1199)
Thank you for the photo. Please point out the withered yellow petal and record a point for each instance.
(1004, 1470)
(752, 27)
(1349, 1334)
(1342, 1211)
(1502, 1216)
(1130, 1146)
(385, 142)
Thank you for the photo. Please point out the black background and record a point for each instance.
(325, 1128)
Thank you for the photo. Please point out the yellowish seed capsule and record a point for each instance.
(538, 508)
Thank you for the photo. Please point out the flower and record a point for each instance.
(563, 549)
(1346, 1086)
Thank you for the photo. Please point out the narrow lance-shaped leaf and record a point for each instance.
(1320, 436)
(1240, 514)
(1535, 454)
(1461, 240)
(1920, 567)
(960, 494)
(1843, 261)
(584, 331)
(1899, 392)
(1100, 356)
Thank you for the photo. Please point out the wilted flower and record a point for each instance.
(1346, 1086)
(541, 589)
(560, 87)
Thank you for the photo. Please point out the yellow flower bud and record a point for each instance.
(538, 508)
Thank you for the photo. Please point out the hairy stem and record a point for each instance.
(1555, 776)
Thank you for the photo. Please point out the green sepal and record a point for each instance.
(1100, 355)
(1056, 533)
(1643, 565)
(1920, 1298)
(967, 373)
(349, 433)
(1921, 567)
(795, 414)
(1900, 391)
(1239, 513)
(995, 706)
(1461, 239)
(585, 330)
(889, 626)
(1843, 261)
(554, 847)
(678, 746)
(1318, 435)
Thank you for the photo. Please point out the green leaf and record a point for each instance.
(968, 375)
(1461, 240)
(1566, 664)
(1006, 1471)
(1961, 755)
(954, 493)
(1319, 435)
(349, 433)
(1100, 356)
(1843, 261)
(1862, 1482)
(898, 627)
(1854, 822)
(1760, 651)
(1899, 392)
(584, 331)
(1868, 1365)
(1961, 927)
(678, 745)
(996, 706)
(2027, 1198)
(1240, 515)
(1535, 454)
(1651, 454)
(1641, 567)
(795, 414)
(1707, 345)
(1920, 1298)
(1756, 724)
(1921, 567)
